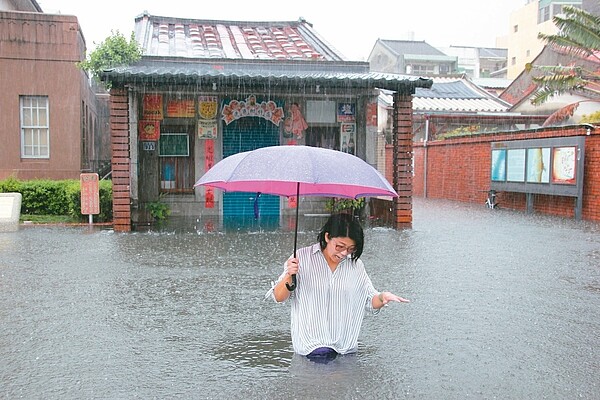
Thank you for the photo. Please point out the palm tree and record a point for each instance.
(579, 36)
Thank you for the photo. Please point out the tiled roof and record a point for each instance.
(273, 73)
(206, 52)
(458, 105)
(492, 83)
(209, 39)
(490, 52)
(24, 5)
(481, 52)
(455, 95)
(523, 87)
(452, 89)
(412, 47)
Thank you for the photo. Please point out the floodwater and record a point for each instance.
(505, 305)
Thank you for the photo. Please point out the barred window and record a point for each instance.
(423, 69)
(35, 127)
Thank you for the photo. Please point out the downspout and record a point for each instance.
(425, 156)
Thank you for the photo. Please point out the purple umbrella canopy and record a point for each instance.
(279, 169)
(297, 171)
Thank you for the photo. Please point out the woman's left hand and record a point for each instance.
(386, 297)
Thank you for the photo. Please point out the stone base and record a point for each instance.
(10, 211)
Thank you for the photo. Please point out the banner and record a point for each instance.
(149, 130)
(152, 106)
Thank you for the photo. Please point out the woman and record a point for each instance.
(333, 291)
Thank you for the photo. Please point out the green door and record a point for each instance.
(245, 134)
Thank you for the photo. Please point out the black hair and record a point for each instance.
(343, 225)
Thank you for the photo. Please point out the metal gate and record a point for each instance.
(245, 134)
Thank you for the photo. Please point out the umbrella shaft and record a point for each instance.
(296, 225)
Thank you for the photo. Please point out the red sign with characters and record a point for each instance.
(152, 106)
(149, 130)
(90, 194)
(209, 161)
(183, 108)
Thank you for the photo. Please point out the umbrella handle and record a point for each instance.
(291, 287)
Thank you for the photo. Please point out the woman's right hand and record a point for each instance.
(291, 266)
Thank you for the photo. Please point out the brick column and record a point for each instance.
(119, 140)
(402, 160)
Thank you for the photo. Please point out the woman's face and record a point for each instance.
(338, 248)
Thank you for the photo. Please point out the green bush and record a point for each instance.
(336, 205)
(47, 197)
(158, 210)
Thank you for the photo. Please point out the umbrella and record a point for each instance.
(297, 171)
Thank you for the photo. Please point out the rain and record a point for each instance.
(504, 304)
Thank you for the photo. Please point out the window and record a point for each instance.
(174, 145)
(320, 111)
(35, 131)
(421, 69)
(544, 14)
(445, 69)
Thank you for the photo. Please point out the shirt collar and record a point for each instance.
(315, 248)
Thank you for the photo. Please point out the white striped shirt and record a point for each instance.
(327, 308)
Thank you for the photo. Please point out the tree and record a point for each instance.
(114, 51)
(579, 36)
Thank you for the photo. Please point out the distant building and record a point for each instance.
(494, 86)
(50, 127)
(20, 5)
(591, 6)
(523, 88)
(410, 57)
(455, 105)
(479, 62)
(524, 26)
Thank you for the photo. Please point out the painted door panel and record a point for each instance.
(246, 134)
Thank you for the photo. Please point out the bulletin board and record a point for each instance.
(540, 166)
(544, 166)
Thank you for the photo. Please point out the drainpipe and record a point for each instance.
(425, 156)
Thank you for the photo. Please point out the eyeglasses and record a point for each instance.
(340, 248)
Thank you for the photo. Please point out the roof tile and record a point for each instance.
(166, 36)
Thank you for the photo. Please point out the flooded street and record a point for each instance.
(505, 305)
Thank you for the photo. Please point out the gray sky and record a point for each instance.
(350, 29)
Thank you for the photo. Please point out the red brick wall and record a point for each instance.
(401, 160)
(119, 134)
(38, 56)
(459, 169)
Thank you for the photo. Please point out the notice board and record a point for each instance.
(90, 194)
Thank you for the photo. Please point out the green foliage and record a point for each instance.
(114, 51)
(58, 198)
(336, 205)
(557, 80)
(579, 32)
(579, 36)
(10, 185)
(460, 131)
(592, 118)
(48, 219)
(158, 210)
